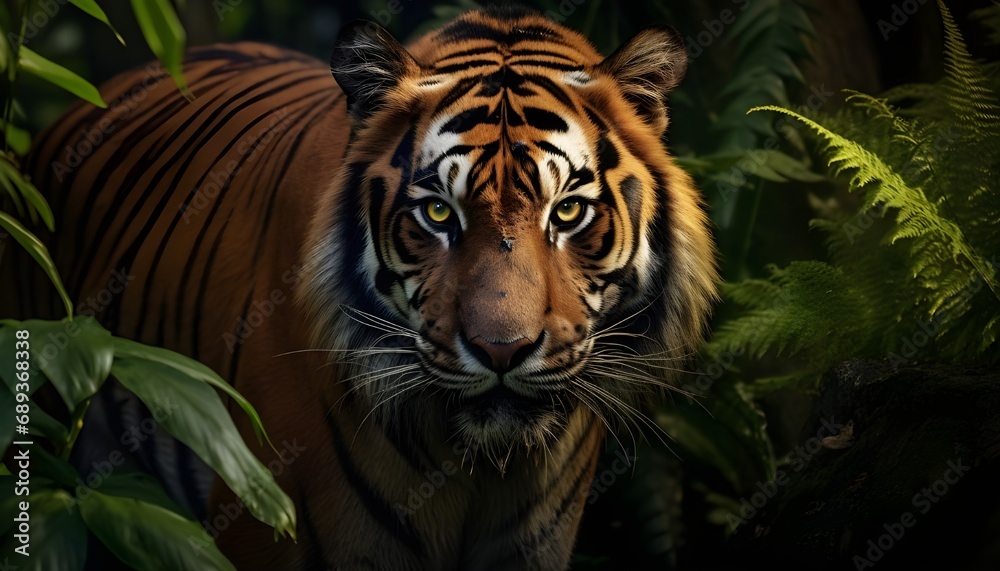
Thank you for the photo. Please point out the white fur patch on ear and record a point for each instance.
(434, 82)
(577, 78)
(647, 68)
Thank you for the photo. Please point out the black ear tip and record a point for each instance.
(367, 63)
(352, 36)
(670, 36)
(355, 28)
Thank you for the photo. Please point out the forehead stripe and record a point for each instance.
(544, 120)
(468, 120)
(548, 64)
(551, 87)
(466, 65)
(455, 93)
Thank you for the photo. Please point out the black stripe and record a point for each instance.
(467, 120)
(469, 52)
(315, 560)
(111, 166)
(528, 52)
(550, 148)
(467, 65)
(147, 288)
(405, 441)
(209, 134)
(527, 179)
(455, 93)
(199, 307)
(596, 120)
(631, 191)
(378, 507)
(544, 120)
(552, 88)
(210, 216)
(481, 164)
(547, 64)
(574, 490)
(456, 150)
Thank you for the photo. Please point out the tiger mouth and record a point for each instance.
(502, 412)
(502, 396)
(501, 417)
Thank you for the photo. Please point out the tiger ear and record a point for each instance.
(368, 63)
(647, 68)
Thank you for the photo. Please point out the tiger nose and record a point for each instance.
(501, 357)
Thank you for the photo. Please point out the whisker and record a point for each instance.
(638, 415)
(623, 320)
(376, 322)
(576, 382)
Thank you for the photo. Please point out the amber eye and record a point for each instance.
(437, 212)
(568, 212)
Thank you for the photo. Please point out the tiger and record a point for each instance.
(445, 271)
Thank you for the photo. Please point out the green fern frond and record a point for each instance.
(916, 215)
(770, 37)
(880, 110)
(753, 293)
(989, 17)
(967, 88)
(809, 308)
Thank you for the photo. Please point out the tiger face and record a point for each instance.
(509, 239)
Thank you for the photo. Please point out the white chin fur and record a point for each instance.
(505, 432)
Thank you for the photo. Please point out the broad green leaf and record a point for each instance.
(75, 356)
(194, 370)
(28, 191)
(38, 66)
(195, 415)
(39, 252)
(58, 536)
(792, 168)
(43, 463)
(7, 60)
(165, 35)
(148, 536)
(770, 165)
(91, 7)
(143, 487)
(12, 192)
(42, 424)
(18, 139)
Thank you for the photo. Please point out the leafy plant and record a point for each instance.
(127, 511)
(913, 267)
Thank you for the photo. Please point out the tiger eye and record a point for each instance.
(437, 211)
(569, 210)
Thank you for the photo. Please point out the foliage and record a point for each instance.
(913, 267)
(127, 511)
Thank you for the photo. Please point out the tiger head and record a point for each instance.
(508, 238)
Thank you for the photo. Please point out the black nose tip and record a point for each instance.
(500, 357)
